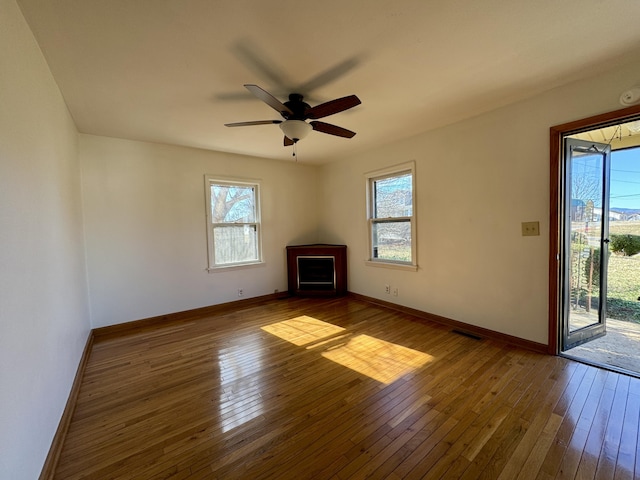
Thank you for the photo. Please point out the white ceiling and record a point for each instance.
(171, 71)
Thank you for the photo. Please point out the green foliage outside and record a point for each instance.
(595, 272)
(623, 288)
(628, 245)
(623, 279)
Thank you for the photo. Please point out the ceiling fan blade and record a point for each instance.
(287, 141)
(328, 76)
(254, 58)
(255, 122)
(270, 100)
(332, 106)
(332, 129)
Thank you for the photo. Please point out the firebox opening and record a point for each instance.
(316, 272)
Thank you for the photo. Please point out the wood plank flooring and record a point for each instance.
(305, 397)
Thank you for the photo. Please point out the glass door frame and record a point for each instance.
(575, 149)
(556, 135)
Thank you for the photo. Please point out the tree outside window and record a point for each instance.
(233, 223)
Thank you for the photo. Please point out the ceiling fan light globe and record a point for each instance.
(295, 129)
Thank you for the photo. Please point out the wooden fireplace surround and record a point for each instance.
(338, 252)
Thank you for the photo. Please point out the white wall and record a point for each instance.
(477, 180)
(43, 296)
(145, 225)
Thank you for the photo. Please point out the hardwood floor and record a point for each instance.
(295, 388)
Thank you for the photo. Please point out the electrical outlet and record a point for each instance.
(240, 292)
(530, 229)
(387, 289)
(395, 291)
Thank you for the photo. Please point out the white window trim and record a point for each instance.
(382, 173)
(219, 180)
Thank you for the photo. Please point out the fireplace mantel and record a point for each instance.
(317, 253)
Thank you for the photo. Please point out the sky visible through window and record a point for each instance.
(624, 189)
(625, 179)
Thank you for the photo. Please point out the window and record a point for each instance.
(392, 230)
(233, 222)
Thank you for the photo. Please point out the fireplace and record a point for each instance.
(316, 272)
(318, 269)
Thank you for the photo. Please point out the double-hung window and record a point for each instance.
(233, 222)
(391, 216)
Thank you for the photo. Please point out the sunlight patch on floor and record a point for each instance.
(302, 330)
(383, 361)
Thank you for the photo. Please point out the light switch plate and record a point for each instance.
(530, 229)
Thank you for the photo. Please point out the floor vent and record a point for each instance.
(467, 334)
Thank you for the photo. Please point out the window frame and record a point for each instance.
(211, 180)
(372, 220)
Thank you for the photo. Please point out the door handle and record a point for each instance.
(606, 240)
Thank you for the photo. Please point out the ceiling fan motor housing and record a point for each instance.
(297, 106)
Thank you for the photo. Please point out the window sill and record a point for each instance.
(395, 266)
(235, 266)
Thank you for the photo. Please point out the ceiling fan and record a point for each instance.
(296, 113)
